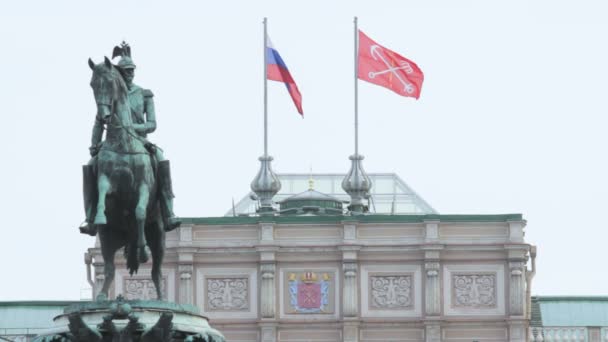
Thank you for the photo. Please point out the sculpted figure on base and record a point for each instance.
(127, 183)
(141, 103)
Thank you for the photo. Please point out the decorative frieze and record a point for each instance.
(392, 292)
(474, 290)
(227, 293)
(142, 288)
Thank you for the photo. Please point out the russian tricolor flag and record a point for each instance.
(276, 70)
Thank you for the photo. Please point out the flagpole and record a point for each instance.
(266, 184)
(356, 88)
(356, 183)
(265, 91)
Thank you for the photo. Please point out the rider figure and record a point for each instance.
(144, 121)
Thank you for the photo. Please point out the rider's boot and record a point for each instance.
(166, 196)
(89, 188)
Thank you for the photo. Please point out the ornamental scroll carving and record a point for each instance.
(391, 292)
(228, 294)
(143, 288)
(474, 290)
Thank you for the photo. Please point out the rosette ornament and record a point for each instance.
(265, 185)
(357, 184)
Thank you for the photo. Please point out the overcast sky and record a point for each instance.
(511, 119)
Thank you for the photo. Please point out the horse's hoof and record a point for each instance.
(88, 228)
(143, 254)
(102, 297)
(173, 222)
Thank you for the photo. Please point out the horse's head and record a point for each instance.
(106, 82)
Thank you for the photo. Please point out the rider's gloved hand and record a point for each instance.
(93, 150)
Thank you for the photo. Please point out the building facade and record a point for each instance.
(344, 278)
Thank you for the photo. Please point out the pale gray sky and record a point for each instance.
(512, 116)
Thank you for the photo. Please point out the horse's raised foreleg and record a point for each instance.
(103, 186)
(140, 216)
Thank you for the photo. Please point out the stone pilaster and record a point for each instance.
(268, 332)
(432, 289)
(516, 231)
(349, 294)
(99, 278)
(518, 331)
(185, 284)
(431, 231)
(432, 332)
(268, 291)
(350, 332)
(516, 288)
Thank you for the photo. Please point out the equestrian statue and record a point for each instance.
(128, 195)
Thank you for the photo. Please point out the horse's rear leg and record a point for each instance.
(140, 216)
(108, 249)
(156, 239)
(103, 186)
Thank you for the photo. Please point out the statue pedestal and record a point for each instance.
(121, 320)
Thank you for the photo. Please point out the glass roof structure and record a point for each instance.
(389, 193)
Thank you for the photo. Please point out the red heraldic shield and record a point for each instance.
(309, 295)
(386, 68)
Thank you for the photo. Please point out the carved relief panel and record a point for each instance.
(227, 292)
(142, 288)
(391, 290)
(474, 289)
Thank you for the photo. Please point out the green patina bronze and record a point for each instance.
(127, 183)
(131, 321)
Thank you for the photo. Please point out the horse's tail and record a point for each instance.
(131, 256)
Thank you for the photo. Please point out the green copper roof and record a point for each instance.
(29, 317)
(572, 311)
(237, 220)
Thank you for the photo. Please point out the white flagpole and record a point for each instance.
(356, 88)
(265, 91)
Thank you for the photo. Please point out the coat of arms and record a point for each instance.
(309, 293)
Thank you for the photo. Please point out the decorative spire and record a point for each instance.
(357, 184)
(265, 185)
(311, 181)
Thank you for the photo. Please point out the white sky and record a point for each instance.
(511, 118)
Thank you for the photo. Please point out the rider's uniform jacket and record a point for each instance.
(142, 109)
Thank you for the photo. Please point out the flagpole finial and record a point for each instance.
(357, 185)
(266, 185)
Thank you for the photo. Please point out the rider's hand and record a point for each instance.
(93, 150)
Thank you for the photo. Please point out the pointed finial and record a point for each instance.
(357, 184)
(265, 185)
(311, 181)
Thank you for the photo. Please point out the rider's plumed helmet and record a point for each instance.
(124, 51)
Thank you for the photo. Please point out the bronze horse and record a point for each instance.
(127, 212)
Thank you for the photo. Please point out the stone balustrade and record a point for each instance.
(558, 334)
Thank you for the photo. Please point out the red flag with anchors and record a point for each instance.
(386, 68)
